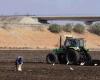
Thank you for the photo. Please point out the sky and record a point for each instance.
(50, 7)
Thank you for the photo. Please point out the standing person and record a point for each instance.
(19, 63)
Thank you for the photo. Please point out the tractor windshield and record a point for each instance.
(74, 43)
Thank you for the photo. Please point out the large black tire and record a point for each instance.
(62, 58)
(51, 58)
(86, 58)
(72, 56)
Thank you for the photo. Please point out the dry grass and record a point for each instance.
(35, 37)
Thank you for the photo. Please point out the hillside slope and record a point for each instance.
(28, 37)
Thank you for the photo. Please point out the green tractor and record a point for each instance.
(73, 51)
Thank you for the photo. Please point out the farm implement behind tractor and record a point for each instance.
(72, 51)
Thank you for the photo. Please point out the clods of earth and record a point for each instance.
(39, 71)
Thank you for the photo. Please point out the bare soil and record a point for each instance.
(33, 71)
(43, 71)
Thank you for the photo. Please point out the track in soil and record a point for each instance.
(33, 71)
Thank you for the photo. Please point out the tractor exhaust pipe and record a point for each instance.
(60, 41)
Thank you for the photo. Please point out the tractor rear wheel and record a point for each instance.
(62, 58)
(72, 56)
(51, 58)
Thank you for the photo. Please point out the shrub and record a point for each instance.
(95, 28)
(55, 28)
(79, 28)
(5, 26)
(67, 28)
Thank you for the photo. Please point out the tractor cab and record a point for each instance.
(74, 42)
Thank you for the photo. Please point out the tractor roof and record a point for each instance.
(74, 38)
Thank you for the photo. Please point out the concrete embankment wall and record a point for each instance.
(32, 55)
(28, 55)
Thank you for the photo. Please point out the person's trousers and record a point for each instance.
(19, 67)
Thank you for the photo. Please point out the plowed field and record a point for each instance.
(35, 71)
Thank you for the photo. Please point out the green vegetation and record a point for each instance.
(55, 28)
(67, 28)
(79, 28)
(95, 28)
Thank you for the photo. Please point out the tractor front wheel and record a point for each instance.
(51, 58)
